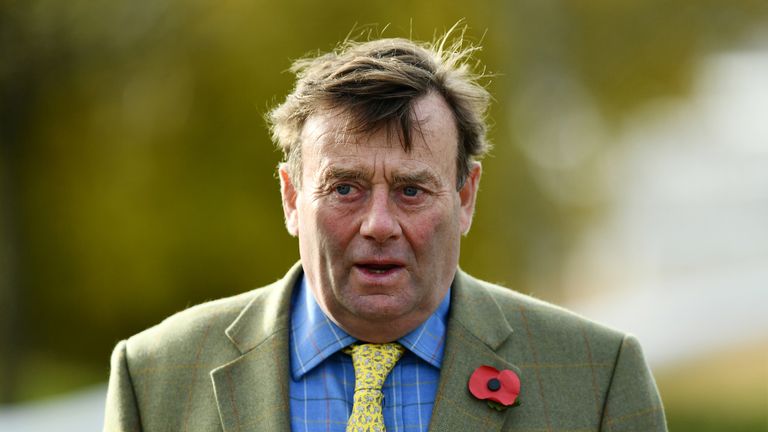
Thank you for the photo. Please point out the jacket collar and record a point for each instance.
(266, 314)
(252, 390)
(477, 312)
(477, 328)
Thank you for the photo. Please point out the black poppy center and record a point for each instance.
(493, 384)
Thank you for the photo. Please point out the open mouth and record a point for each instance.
(378, 268)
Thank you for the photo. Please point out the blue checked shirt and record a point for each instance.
(323, 379)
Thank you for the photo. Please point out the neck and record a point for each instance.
(379, 332)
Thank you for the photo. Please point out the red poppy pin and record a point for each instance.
(499, 388)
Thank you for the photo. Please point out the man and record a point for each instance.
(376, 327)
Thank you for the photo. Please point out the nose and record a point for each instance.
(379, 222)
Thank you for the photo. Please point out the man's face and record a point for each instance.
(379, 229)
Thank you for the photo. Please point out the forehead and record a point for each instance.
(434, 138)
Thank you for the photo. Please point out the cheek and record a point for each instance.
(334, 227)
(432, 232)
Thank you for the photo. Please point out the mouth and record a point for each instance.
(379, 268)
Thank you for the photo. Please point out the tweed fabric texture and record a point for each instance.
(373, 362)
(224, 366)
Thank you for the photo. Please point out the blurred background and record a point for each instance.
(629, 179)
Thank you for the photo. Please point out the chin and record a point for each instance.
(381, 307)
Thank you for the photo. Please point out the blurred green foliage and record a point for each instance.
(724, 391)
(137, 176)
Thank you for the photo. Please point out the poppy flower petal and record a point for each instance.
(488, 383)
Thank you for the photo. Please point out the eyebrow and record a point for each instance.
(356, 174)
(338, 173)
(418, 177)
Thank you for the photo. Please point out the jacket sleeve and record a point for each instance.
(122, 412)
(633, 402)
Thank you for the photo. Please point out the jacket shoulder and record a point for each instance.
(181, 336)
(177, 356)
(547, 321)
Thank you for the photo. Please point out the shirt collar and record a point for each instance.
(314, 337)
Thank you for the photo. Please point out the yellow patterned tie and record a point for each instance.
(373, 362)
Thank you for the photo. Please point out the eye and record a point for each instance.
(343, 189)
(410, 191)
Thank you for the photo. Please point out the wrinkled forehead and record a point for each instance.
(431, 121)
(326, 133)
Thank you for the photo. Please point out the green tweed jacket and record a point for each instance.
(224, 366)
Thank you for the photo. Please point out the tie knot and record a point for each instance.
(373, 362)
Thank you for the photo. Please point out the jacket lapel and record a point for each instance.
(252, 390)
(476, 329)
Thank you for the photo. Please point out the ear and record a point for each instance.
(468, 196)
(288, 192)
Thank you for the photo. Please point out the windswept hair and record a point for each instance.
(376, 84)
